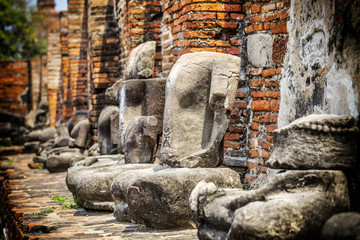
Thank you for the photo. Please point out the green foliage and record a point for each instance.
(41, 166)
(70, 206)
(9, 162)
(47, 210)
(59, 199)
(18, 31)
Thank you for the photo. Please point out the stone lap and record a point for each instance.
(29, 190)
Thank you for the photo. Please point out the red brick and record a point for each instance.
(232, 136)
(274, 105)
(279, 27)
(233, 50)
(240, 104)
(260, 105)
(253, 153)
(228, 144)
(268, 72)
(255, 126)
(255, 8)
(256, 83)
(257, 94)
(270, 128)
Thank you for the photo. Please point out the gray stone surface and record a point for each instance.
(259, 49)
(140, 97)
(30, 119)
(33, 136)
(61, 161)
(108, 130)
(63, 135)
(94, 150)
(112, 93)
(161, 199)
(140, 140)
(140, 63)
(292, 205)
(93, 183)
(316, 142)
(80, 133)
(201, 89)
(47, 134)
(342, 226)
(320, 66)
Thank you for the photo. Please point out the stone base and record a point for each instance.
(92, 183)
(160, 197)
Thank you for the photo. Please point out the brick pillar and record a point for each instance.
(65, 68)
(103, 56)
(35, 64)
(78, 46)
(139, 22)
(53, 68)
(267, 37)
(44, 79)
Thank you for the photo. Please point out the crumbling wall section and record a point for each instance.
(65, 91)
(322, 64)
(103, 56)
(53, 69)
(78, 49)
(14, 86)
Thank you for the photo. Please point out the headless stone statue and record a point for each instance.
(200, 93)
(108, 130)
(293, 204)
(79, 134)
(140, 97)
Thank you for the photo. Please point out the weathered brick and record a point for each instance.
(260, 105)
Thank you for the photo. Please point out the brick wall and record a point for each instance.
(103, 56)
(53, 69)
(65, 93)
(203, 25)
(139, 22)
(14, 80)
(78, 47)
(266, 36)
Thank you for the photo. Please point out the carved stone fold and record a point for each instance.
(316, 142)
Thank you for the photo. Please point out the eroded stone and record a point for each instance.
(201, 89)
(140, 63)
(292, 205)
(318, 141)
(108, 127)
(161, 199)
(140, 140)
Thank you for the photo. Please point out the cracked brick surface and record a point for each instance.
(25, 191)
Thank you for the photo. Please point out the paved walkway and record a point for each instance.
(29, 194)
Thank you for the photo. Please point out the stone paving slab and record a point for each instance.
(25, 191)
